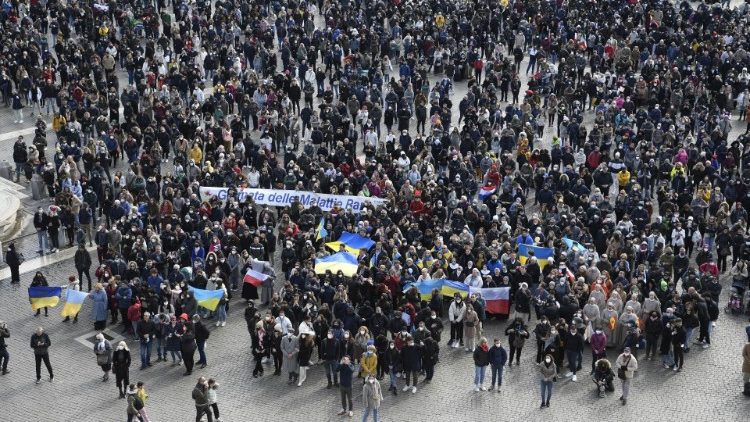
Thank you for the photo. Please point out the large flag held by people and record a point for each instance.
(450, 288)
(541, 254)
(496, 299)
(254, 278)
(73, 302)
(352, 242)
(425, 287)
(42, 297)
(486, 191)
(208, 299)
(342, 261)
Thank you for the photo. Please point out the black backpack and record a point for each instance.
(137, 403)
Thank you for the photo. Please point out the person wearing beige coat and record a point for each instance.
(471, 320)
(746, 362)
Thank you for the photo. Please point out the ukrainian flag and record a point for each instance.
(321, 232)
(572, 244)
(541, 254)
(343, 261)
(425, 287)
(352, 243)
(450, 288)
(73, 302)
(208, 299)
(41, 297)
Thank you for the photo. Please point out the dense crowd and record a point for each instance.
(151, 101)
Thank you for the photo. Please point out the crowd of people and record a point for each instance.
(622, 143)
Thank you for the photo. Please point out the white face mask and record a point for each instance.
(497, 344)
(372, 381)
(392, 346)
(330, 335)
(548, 360)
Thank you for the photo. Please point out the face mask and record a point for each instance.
(362, 332)
(421, 328)
(433, 316)
(392, 346)
(497, 344)
(372, 381)
(548, 360)
(403, 333)
(330, 336)
(410, 344)
(346, 335)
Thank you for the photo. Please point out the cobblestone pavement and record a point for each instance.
(707, 389)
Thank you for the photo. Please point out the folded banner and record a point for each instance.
(208, 299)
(352, 243)
(42, 297)
(254, 278)
(541, 254)
(342, 261)
(73, 302)
(282, 198)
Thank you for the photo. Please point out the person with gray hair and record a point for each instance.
(41, 343)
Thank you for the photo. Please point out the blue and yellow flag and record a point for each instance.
(42, 297)
(352, 242)
(73, 302)
(541, 254)
(208, 299)
(342, 261)
(321, 232)
(425, 287)
(572, 244)
(450, 288)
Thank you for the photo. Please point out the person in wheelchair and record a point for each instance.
(603, 376)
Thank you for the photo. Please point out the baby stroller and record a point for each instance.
(737, 299)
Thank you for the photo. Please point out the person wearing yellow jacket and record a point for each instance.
(369, 362)
(58, 122)
(196, 153)
(623, 177)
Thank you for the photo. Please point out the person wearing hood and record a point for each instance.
(547, 375)
(603, 376)
(456, 314)
(103, 352)
(371, 398)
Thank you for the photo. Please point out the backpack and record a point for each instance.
(137, 403)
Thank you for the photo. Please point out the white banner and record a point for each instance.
(282, 198)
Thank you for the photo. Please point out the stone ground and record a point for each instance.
(707, 389)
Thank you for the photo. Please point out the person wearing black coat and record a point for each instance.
(41, 343)
(435, 325)
(430, 357)
(517, 334)
(329, 354)
(83, 264)
(40, 281)
(188, 346)
(411, 358)
(679, 337)
(653, 328)
(201, 335)
(497, 357)
(392, 361)
(121, 367)
(481, 360)
(573, 348)
(278, 356)
(13, 259)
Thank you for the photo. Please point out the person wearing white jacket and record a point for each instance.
(456, 314)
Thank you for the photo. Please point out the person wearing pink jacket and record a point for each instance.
(598, 347)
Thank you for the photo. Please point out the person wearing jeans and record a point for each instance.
(346, 371)
(573, 349)
(481, 360)
(371, 398)
(626, 365)
(201, 335)
(497, 357)
(548, 374)
(144, 330)
(41, 224)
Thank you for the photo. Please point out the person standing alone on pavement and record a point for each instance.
(40, 342)
(4, 355)
(371, 398)
(14, 260)
(626, 365)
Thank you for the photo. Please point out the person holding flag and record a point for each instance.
(73, 299)
(41, 295)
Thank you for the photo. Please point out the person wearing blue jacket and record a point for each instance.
(123, 295)
(498, 357)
